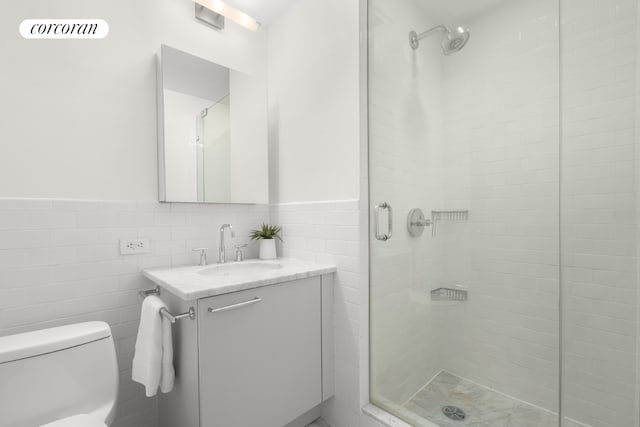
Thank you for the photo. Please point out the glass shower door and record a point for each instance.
(599, 213)
(464, 155)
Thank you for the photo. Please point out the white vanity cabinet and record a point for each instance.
(261, 357)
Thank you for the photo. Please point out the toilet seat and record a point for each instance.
(81, 420)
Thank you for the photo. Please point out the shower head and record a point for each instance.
(455, 40)
(452, 42)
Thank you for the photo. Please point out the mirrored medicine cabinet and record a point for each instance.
(212, 132)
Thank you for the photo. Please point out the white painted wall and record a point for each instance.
(83, 111)
(314, 141)
(313, 102)
(249, 151)
(99, 99)
(80, 123)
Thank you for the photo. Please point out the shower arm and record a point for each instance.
(438, 29)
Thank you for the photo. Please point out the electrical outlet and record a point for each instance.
(134, 246)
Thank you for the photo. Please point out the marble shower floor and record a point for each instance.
(483, 407)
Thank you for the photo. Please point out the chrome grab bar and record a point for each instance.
(191, 314)
(386, 236)
(234, 306)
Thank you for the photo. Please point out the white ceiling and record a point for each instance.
(455, 12)
(448, 12)
(264, 11)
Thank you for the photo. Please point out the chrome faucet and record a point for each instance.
(221, 251)
(203, 255)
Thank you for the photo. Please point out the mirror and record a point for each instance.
(212, 132)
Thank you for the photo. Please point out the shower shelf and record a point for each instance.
(448, 294)
(437, 216)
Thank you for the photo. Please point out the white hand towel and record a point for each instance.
(168, 373)
(153, 359)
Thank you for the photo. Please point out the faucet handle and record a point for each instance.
(203, 255)
(230, 227)
(239, 254)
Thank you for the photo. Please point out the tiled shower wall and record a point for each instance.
(406, 153)
(502, 150)
(474, 131)
(599, 249)
(513, 172)
(503, 155)
(60, 264)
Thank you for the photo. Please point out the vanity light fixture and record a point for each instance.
(213, 13)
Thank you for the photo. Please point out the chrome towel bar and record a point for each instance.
(191, 314)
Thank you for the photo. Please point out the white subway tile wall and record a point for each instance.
(502, 153)
(406, 154)
(599, 223)
(60, 264)
(329, 232)
(498, 100)
(497, 137)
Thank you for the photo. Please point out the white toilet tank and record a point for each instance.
(56, 373)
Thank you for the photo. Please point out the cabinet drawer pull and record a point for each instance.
(234, 306)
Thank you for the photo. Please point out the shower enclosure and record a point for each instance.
(504, 217)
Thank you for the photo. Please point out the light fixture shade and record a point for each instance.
(220, 7)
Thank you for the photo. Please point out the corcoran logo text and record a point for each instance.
(64, 29)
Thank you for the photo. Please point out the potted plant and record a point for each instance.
(266, 236)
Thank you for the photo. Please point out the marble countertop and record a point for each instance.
(193, 282)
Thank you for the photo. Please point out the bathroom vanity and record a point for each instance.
(260, 349)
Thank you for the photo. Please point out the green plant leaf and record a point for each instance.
(266, 232)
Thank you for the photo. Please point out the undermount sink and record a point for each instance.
(241, 269)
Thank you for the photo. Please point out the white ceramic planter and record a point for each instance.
(268, 249)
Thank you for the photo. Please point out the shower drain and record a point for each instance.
(454, 413)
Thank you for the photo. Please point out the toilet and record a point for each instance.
(59, 377)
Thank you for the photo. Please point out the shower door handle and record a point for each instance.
(378, 208)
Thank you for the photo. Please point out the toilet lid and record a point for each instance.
(81, 420)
